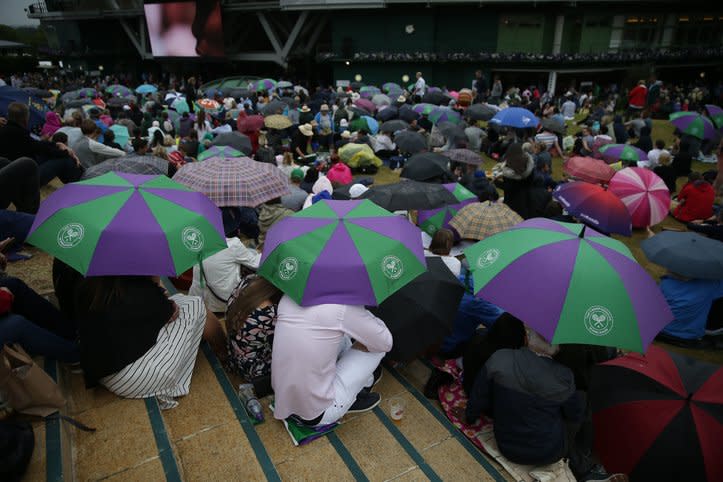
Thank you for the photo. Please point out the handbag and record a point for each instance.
(26, 386)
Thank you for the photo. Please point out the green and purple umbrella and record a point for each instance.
(86, 93)
(345, 252)
(119, 90)
(368, 123)
(128, 224)
(263, 84)
(219, 151)
(424, 109)
(390, 87)
(613, 153)
(693, 124)
(716, 115)
(444, 114)
(430, 221)
(569, 283)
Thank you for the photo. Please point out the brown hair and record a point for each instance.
(442, 242)
(19, 113)
(88, 127)
(250, 297)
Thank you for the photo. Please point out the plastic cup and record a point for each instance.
(397, 406)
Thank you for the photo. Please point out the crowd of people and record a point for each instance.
(129, 334)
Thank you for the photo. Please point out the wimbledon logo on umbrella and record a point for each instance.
(488, 258)
(70, 235)
(192, 239)
(598, 320)
(288, 268)
(392, 267)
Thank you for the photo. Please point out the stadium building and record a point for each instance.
(549, 42)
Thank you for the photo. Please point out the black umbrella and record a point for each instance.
(453, 132)
(288, 101)
(356, 85)
(129, 164)
(687, 254)
(421, 313)
(236, 140)
(35, 92)
(237, 93)
(465, 156)
(480, 112)
(388, 114)
(406, 113)
(119, 101)
(273, 107)
(436, 98)
(555, 125)
(410, 142)
(358, 111)
(427, 166)
(77, 103)
(392, 126)
(407, 195)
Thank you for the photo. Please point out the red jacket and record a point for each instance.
(696, 201)
(638, 96)
(6, 301)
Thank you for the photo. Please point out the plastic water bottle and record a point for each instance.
(252, 404)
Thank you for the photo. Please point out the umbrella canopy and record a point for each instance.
(252, 123)
(588, 169)
(120, 101)
(410, 195)
(128, 224)
(555, 124)
(685, 253)
(394, 126)
(284, 84)
(444, 114)
(365, 122)
(670, 406)
(219, 151)
(180, 105)
(693, 124)
(482, 220)
(422, 313)
(387, 114)
(346, 252)
(465, 156)
(146, 89)
(407, 113)
(480, 112)
(516, 117)
(122, 136)
(391, 86)
(435, 97)
(119, 90)
(410, 142)
(75, 103)
(381, 99)
(86, 93)
(238, 93)
(274, 108)
(278, 122)
(369, 91)
(427, 166)
(452, 132)
(595, 206)
(579, 286)
(36, 106)
(68, 96)
(235, 140)
(234, 181)
(431, 220)
(263, 84)
(149, 165)
(644, 194)
(716, 115)
(358, 111)
(613, 153)
(209, 105)
(365, 104)
(39, 93)
(424, 109)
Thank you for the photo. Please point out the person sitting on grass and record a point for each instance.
(695, 200)
(251, 320)
(713, 228)
(317, 374)
(441, 245)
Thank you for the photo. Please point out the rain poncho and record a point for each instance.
(358, 155)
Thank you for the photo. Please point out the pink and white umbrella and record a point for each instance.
(644, 194)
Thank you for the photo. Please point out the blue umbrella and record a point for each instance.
(37, 106)
(685, 253)
(516, 117)
(146, 89)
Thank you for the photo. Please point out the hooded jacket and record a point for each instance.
(529, 397)
(269, 214)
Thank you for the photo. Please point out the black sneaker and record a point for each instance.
(598, 474)
(365, 401)
(377, 376)
(436, 379)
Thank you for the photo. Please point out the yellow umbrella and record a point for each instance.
(277, 121)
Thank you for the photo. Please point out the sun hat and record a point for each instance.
(346, 135)
(297, 174)
(357, 190)
(305, 108)
(306, 130)
(401, 99)
(343, 123)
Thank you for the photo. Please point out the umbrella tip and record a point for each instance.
(582, 231)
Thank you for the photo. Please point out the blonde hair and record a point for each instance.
(288, 159)
(664, 158)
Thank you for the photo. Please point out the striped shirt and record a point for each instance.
(547, 138)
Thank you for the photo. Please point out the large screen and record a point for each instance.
(185, 29)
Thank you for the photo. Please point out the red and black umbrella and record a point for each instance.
(659, 416)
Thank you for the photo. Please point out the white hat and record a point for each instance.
(156, 124)
(346, 135)
(401, 99)
(343, 123)
(126, 107)
(357, 190)
(306, 129)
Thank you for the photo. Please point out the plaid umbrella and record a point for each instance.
(234, 181)
(347, 252)
(128, 224)
(394, 126)
(150, 165)
(277, 122)
(235, 140)
(252, 123)
(716, 115)
(588, 169)
(481, 220)
(693, 124)
(465, 156)
(424, 109)
(434, 219)
(410, 142)
(613, 153)
(263, 84)
(219, 151)
(119, 90)
(444, 114)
